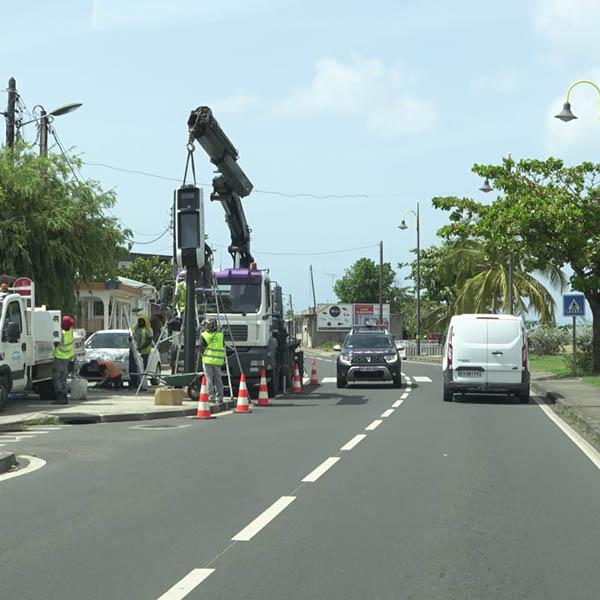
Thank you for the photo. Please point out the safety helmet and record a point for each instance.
(181, 275)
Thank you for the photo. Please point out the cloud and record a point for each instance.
(235, 104)
(577, 139)
(569, 26)
(365, 88)
(504, 82)
(142, 14)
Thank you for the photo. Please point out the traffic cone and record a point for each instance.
(296, 381)
(263, 391)
(313, 373)
(243, 403)
(203, 405)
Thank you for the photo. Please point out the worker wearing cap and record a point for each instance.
(64, 353)
(212, 347)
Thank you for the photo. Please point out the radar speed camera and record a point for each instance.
(189, 227)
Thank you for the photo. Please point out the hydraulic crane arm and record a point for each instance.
(230, 185)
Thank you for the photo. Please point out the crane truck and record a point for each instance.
(247, 302)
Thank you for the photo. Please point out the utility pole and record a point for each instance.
(381, 283)
(291, 306)
(312, 284)
(10, 113)
(511, 298)
(43, 133)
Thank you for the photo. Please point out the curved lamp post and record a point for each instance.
(566, 114)
(403, 226)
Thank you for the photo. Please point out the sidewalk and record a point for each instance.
(574, 400)
(102, 406)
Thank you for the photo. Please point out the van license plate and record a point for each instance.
(469, 373)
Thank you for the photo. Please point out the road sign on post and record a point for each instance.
(574, 306)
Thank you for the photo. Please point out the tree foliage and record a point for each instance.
(547, 214)
(150, 270)
(55, 229)
(360, 282)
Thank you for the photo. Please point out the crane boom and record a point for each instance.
(230, 185)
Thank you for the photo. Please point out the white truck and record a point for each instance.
(27, 337)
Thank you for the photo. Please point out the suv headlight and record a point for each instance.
(391, 358)
(345, 359)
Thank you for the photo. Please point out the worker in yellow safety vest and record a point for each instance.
(180, 293)
(64, 353)
(143, 338)
(212, 347)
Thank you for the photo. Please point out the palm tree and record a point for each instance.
(483, 286)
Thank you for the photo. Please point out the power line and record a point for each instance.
(155, 239)
(321, 253)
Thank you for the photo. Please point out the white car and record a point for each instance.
(486, 354)
(115, 345)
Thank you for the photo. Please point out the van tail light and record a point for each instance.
(524, 356)
(449, 353)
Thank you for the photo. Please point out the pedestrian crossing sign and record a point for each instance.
(573, 305)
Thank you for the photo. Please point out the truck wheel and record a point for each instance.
(448, 395)
(341, 382)
(45, 390)
(3, 395)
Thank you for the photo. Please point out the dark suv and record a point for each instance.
(368, 356)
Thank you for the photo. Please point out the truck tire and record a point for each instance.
(45, 390)
(3, 395)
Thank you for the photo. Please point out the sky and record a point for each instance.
(366, 107)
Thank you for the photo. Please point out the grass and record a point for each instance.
(557, 365)
(328, 346)
(45, 420)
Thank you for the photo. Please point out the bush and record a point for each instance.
(547, 340)
(584, 338)
(584, 362)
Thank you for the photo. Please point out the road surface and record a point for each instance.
(365, 492)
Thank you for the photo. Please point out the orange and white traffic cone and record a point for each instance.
(203, 405)
(243, 402)
(263, 390)
(314, 380)
(296, 381)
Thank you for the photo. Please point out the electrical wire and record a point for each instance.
(320, 253)
(155, 239)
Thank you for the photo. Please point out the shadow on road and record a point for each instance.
(490, 399)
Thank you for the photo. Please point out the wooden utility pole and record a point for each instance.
(10, 113)
(312, 285)
(43, 133)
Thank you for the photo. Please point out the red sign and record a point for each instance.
(364, 309)
(23, 286)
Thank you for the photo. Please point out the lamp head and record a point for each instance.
(486, 187)
(403, 225)
(565, 114)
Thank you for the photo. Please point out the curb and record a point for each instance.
(81, 418)
(7, 461)
(567, 411)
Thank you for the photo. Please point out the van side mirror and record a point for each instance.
(337, 348)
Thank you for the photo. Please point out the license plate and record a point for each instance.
(469, 373)
(370, 369)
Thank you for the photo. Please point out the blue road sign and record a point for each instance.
(573, 305)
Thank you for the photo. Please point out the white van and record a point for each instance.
(486, 354)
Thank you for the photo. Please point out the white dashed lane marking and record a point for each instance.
(357, 439)
(387, 413)
(322, 468)
(246, 534)
(328, 380)
(420, 379)
(397, 404)
(374, 425)
(184, 586)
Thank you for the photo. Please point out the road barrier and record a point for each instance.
(427, 348)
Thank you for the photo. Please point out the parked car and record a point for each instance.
(115, 345)
(368, 356)
(486, 354)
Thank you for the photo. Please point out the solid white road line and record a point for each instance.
(184, 586)
(357, 439)
(263, 519)
(387, 413)
(422, 379)
(322, 468)
(582, 444)
(397, 404)
(15, 438)
(35, 463)
(374, 425)
(328, 379)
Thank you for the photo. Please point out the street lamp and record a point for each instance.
(45, 119)
(403, 226)
(566, 114)
(486, 187)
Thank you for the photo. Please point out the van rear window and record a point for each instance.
(503, 331)
(471, 331)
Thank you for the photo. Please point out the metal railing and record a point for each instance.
(427, 348)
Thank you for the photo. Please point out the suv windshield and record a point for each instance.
(368, 340)
(110, 339)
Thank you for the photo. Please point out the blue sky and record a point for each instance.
(390, 100)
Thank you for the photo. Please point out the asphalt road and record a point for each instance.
(474, 499)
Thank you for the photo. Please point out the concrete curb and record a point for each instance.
(567, 411)
(7, 461)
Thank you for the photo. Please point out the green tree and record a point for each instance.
(150, 270)
(54, 228)
(360, 282)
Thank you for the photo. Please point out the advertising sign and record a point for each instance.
(368, 314)
(334, 316)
